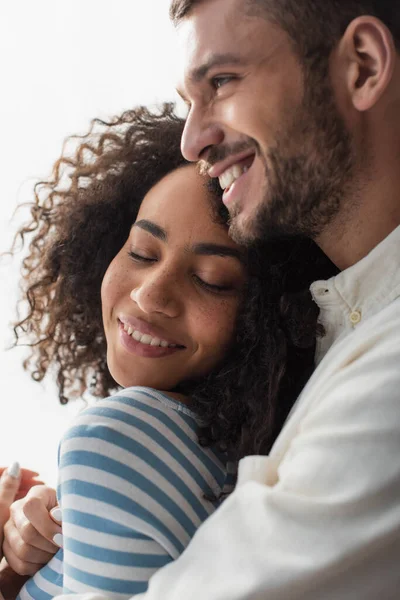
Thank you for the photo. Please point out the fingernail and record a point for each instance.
(14, 470)
(58, 540)
(56, 513)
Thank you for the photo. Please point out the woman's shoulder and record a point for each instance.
(151, 397)
(147, 427)
(137, 411)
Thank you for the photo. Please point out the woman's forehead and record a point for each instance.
(181, 203)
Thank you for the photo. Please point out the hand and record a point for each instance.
(9, 484)
(29, 532)
(27, 481)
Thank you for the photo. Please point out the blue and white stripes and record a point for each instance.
(132, 477)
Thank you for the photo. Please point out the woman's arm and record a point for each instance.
(121, 522)
(128, 501)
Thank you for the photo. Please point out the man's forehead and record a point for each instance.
(205, 42)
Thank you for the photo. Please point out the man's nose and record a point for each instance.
(159, 294)
(199, 136)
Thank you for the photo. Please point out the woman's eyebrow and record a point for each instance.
(209, 249)
(152, 228)
(202, 249)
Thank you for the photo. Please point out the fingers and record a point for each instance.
(25, 473)
(25, 519)
(25, 487)
(25, 560)
(36, 509)
(30, 530)
(9, 484)
(27, 481)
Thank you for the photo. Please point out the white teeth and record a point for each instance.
(146, 339)
(229, 176)
(237, 171)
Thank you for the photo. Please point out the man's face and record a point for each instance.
(267, 128)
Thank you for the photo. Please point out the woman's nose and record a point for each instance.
(157, 295)
(199, 136)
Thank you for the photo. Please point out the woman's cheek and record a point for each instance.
(223, 322)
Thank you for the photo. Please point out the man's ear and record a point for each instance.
(369, 51)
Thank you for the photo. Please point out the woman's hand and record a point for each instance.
(9, 484)
(32, 534)
(27, 481)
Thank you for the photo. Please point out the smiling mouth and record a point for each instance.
(234, 172)
(146, 339)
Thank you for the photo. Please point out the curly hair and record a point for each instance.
(80, 219)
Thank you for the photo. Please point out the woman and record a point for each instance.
(133, 283)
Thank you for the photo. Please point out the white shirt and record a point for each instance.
(319, 518)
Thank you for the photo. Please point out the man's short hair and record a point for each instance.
(314, 26)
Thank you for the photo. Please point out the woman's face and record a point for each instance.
(170, 296)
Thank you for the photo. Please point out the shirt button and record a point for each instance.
(355, 317)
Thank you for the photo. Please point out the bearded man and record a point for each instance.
(294, 105)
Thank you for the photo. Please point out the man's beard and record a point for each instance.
(307, 172)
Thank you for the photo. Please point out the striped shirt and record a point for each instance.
(132, 480)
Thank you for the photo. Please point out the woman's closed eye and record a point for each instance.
(140, 257)
(210, 286)
(214, 287)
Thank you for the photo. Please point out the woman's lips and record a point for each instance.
(134, 347)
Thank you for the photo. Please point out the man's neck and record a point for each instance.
(363, 224)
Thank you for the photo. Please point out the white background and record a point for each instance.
(62, 63)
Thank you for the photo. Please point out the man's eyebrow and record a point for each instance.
(152, 228)
(215, 60)
(205, 249)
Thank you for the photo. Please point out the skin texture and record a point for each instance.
(325, 138)
(168, 291)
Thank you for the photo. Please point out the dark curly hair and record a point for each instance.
(80, 219)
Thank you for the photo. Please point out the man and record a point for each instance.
(293, 105)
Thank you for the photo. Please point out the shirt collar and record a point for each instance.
(360, 291)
